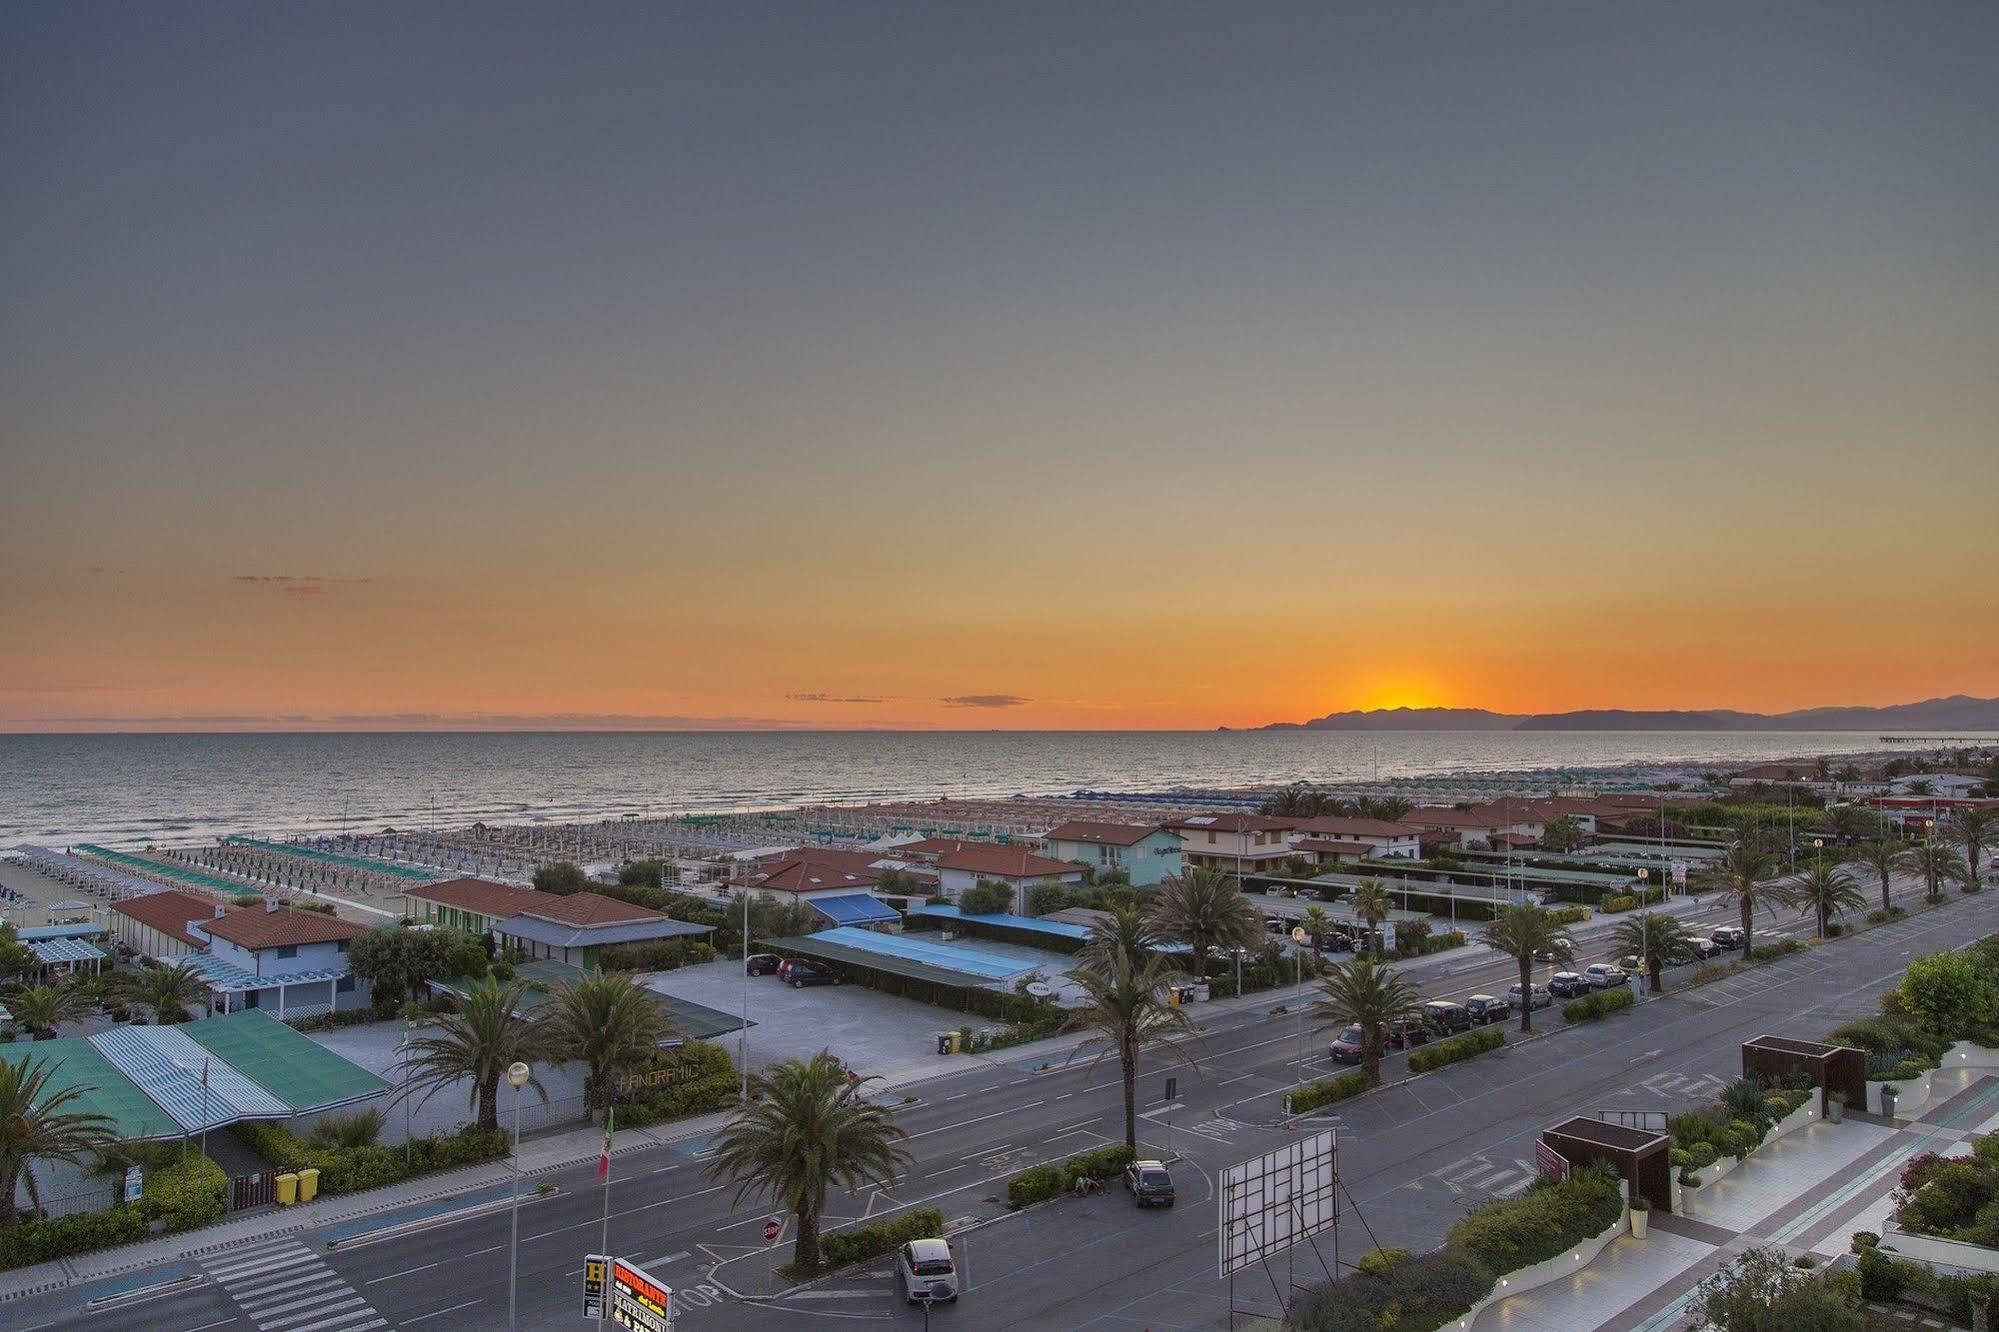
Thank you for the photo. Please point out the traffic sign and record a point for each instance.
(772, 1229)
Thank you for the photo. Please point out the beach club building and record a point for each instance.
(1146, 852)
(1254, 842)
(563, 928)
(1017, 868)
(158, 925)
(1332, 839)
(278, 959)
(472, 905)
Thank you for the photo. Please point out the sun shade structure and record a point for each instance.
(852, 909)
(167, 869)
(227, 978)
(942, 964)
(75, 1062)
(306, 1076)
(363, 864)
(77, 872)
(1058, 928)
(168, 1068)
(55, 952)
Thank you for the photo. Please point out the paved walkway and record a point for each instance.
(1805, 1193)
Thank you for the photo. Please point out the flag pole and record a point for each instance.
(604, 1233)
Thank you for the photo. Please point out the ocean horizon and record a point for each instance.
(181, 787)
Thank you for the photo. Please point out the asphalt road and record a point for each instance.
(1413, 1157)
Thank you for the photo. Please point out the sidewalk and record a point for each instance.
(1805, 1193)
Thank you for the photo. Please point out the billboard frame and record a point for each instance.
(1271, 1203)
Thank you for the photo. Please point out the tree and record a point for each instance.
(1949, 992)
(898, 882)
(1824, 890)
(1762, 1292)
(1939, 863)
(610, 1022)
(1520, 931)
(398, 962)
(986, 898)
(562, 877)
(649, 873)
(166, 992)
(1204, 909)
(1973, 828)
(477, 1044)
(1121, 932)
(1364, 992)
(1743, 875)
(1851, 823)
(1124, 1009)
(1881, 857)
(1656, 939)
(16, 958)
(806, 1127)
(1318, 925)
(42, 1009)
(1564, 835)
(36, 1124)
(1371, 904)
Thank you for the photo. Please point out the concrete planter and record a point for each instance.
(1912, 1095)
(1640, 1218)
(1541, 1274)
(1801, 1117)
(1954, 1255)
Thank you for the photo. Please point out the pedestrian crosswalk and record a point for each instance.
(1485, 1176)
(283, 1286)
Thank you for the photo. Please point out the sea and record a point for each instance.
(132, 789)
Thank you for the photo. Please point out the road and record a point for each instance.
(1413, 1157)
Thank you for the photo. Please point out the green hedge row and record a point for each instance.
(351, 1169)
(1327, 1091)
(1542, 1223)
(705, 1080)
(1456, 1049)
(1601, 1004)
(1771, 952)
(181, 1196)
(840, 1247)
(1042, 1182)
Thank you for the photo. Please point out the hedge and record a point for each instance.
(181, 1196)
(351, 1169)
(1042, 1182)
(840, 1247)
(1419, 1295)
(705, 1079)
(1456, 1049)
(1771, 952)
(1568, 915)
(1599, 1005)
(1542, 1223)
(1327, 1091)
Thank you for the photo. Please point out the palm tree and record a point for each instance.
(1318, 925)
(1371, 995)
(1204, 909)
(477, 1044)
(1656, 939)
(1743, 874)
(1850, 823)
(1520, 931)
(1370, 903)
(610, 1022)
(1825, 891)
(166, 992)
(1125, 1010)
(1973, 828)
(1122, 931)
(1939, 863)
(806, 1127)
(1881, 857)
(42, 1009)
(35, 1126)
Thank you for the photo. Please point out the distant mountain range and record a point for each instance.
(1956, 715)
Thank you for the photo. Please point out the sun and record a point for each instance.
(1399, 694)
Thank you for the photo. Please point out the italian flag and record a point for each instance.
(604, 1161)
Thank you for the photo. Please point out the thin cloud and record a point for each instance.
(836, 698)
(296, 585)
(984, 701)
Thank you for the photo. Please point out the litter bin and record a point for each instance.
(943, 1042)
(957, 1041)
(308, 1183)
(287, 1189)
(1888, 1102)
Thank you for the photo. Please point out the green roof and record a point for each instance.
(290, 1066)
(75, 1062)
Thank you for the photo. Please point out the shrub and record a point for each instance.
(841, 1247)
(1621, 902)
(351, 1169)
(1542, 1223)
(1568, 915)
(986, 899)
(1771, 952)
(1380, 1262)
(1760, 1290)
(693, 1080)
(1703, 1155)
(1425, 1292)
(1458, 1048)
(1327, 1091)
(1599, 1005)
(180, 1196)
(1042, 1182)
(1950, 993)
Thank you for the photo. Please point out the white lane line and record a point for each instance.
(665, 1258)
(441, 1312)
(409, 1271)
(963, 1123)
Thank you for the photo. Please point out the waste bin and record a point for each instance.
(308, 1183)
(1888, 1101)
(957, 1041)
(943, 1042)
(287, 1189)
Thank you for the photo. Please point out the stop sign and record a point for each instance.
(771, 1228)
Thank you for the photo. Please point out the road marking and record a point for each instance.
(963, 1123)
(406, 1272)
(665, 1258)
(441, 1312)
(283, 1284)
(834, 1295)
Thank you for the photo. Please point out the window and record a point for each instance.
(250, 998)
(345, 985)
(340, 945)
(288, 951)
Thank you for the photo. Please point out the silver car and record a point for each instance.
(927, 1272)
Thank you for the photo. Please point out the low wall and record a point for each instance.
(1912, 1095)
(1955, 1254)
(1552, 1270)
(1805, 1114)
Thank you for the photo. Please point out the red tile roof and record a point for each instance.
(1005, 862)
(585, 909)
(169, 912)
(1101, 834)
(930, 848)
(1333, 825)
(255, 928)
(481, 897)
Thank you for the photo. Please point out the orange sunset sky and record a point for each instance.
(992, 373)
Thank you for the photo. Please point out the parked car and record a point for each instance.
(1560, 941)
(763, 964)
(1348, 1046)
(1568, 984)
(1701, 946)
(1406, 1033)
(1540, 996)
(1484, 1009)
(1335, 942)
(1149, 1183)
(800, 974)
(1727, 936)
(926, 1270)
(1630, 962)
(1604, 976)
(1446, 1018)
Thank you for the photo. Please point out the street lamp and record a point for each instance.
(517, 1077)
(1645, 931)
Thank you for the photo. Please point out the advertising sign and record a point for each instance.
(1679, 872)
(1552, 1163)
(595, 1267)
(637, 1301)
(135, 1182)
(1274, 1201)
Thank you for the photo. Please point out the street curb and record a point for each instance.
(421, 1223)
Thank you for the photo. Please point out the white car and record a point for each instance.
(927, 1272)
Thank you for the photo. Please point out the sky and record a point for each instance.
(1093, 366)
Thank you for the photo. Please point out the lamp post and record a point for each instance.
(743, 1034)
(1645, 931)
(517, 1077)
(1818, 867)
(1298, 937)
